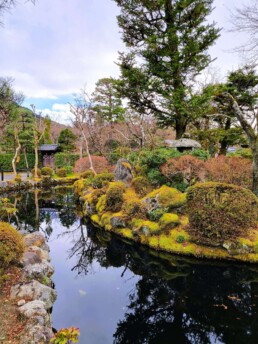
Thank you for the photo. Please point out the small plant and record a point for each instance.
(47, 171)
(66, 336)
(141, 186)
(18, 179)
(61, 172)
(87, 174)
(180, 239)
(102, 179)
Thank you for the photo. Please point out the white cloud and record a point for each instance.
(58, 112)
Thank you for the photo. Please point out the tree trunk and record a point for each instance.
(255, 167)
(26, 161)
(180, 128)
(36, 159)
(16, 155)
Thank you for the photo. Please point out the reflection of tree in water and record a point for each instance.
(176, 302)
(37, 207)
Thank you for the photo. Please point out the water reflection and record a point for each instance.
(170, 300)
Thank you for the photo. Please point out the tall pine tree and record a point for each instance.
(170, 38)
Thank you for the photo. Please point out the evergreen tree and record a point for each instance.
(66, 140)
(108, 102)
(171, 38)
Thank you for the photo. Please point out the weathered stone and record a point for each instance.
(35, 291)
(117, 222)
(33, 308)
(41, 252)
(124, 172)
(38, 271)
(34, 239)
(235, 248)
(21, 303)
(36, 334)
(30, 258)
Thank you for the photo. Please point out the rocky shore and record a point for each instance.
(34, 295)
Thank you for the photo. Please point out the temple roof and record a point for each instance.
(48, 148)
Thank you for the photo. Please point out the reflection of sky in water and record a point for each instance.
(94, 303)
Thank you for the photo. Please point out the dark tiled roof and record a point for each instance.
(48, 148)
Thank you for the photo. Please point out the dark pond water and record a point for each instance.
(116, 292)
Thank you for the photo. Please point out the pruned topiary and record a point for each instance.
(11, 245)
(219, 212)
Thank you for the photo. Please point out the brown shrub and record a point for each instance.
(231, 170)
(100, 164)
(218, 211)
(186, 167)
(11, 245)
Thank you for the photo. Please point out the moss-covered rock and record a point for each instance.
(134, 208)
(11, 245)
(219, 212)
(115, 196)
(141, 185)
(169, 220)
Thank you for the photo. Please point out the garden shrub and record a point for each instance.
(141, 186)
(18, 179)
(242, 153)
(6, 162)
(169, 220)
(219, 212)
(120, 152)
(185, 169)
(47, 171)
(87, 174)
(135, 209)
(33, 172)
(78, 187)
(65, 159)
(100, 164)
(61, 172)
(11, 245)
(231, 170)
(199, 153)
(114, 196)
(102, 179)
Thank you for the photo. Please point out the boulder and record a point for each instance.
(34, 239)
(33, 308)
(35, 291)
(124, 172)
(38, 271)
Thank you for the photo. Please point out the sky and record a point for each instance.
(56, 47)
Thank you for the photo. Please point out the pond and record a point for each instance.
(117, 292)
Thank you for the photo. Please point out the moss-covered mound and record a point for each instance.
(219, 212)
(11, 245)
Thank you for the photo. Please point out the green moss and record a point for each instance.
(141, 186)
(135, 208)
(115, 196)
(105, 220)
(101, 204)
(169, 220)
(168, 197)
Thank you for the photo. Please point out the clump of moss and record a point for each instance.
(102, 179)
(145, 227)
(166, 197)
(47, 171)
(61, 172)
(219, 212)
(87, 174)
(11, 245)
(141, 186)
(135, 209)
(79, 186)
(115, 196)
(101, 204)
(169, 220)
(156, 214)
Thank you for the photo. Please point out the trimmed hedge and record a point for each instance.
(6, 162)
(219, 212)
(65, 159)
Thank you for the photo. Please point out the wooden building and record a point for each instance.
(47, 152)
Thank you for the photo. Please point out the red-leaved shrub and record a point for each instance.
(100, 164)
(187, 167)
(231, 170)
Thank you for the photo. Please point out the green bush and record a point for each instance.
(47, 171)
(115, 196)
(6, 162)
(65, 159)
(61, 172)
(141, 185)
(242, 153)
(87, 174)
(11, 245)
(199, 153)
(155, 215)
(69, 169)
(219, 212)
(102, 179)
(119, 153)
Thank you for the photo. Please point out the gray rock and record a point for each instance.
(33, 308)
(38, 271)
(21, 303)
(30, 258)
(36, 334)
(35, 291)
(34, 239)
(41, 252)
(235, 248)
(118, 222)
(124, 172)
